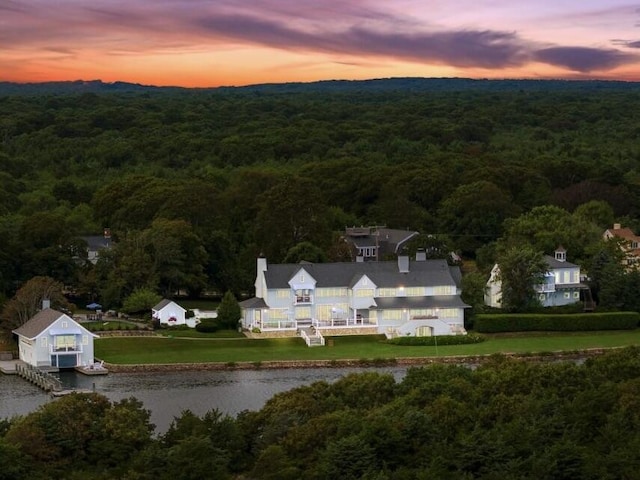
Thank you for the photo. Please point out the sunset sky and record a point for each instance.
(224, 42)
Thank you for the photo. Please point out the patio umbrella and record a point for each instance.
(94, 306)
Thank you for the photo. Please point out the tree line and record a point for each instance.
(194, 184)
(506, 419)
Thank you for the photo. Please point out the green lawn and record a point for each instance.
(150, 350)
(193, 333)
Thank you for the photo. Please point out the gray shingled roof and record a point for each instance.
(38, 323)
(97, 242)
(383, 274)
(438, 301)
(163, 303)
(253, 303)
(554, 264)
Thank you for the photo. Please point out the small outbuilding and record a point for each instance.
(168, 312)
(54, 339)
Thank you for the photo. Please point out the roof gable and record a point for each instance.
(42, 321)
(165, 303)
(302, 279)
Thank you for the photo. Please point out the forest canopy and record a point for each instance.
(195, 184)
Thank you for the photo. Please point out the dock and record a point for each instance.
(96, 368)
(8, 367)
(39, 377)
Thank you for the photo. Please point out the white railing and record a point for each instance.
(546, 288)
(66, 349)
(342, 322)
(312, 340)
(279, 325)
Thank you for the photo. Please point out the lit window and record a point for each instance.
(303, 296)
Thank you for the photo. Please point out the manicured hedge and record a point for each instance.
(527, 322)
(432, 341)
(208, 326)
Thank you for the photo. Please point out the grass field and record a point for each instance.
(155, 350)
(193, 333)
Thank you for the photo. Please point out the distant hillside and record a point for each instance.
(411, 84)
(78, 86)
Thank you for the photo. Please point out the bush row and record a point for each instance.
(439, 340)
(527, 322)
(100, 327)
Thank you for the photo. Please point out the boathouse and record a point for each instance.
(53, 339)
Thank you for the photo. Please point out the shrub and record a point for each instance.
(514, 322)
(436, 340)
(207, 326)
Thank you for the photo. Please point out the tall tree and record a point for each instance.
(473, 214)
(291, 212)
(28, 301)
(521, 270)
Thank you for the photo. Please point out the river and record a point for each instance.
(168, 394)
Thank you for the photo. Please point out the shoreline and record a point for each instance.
(363, 362)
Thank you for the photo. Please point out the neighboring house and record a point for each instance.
(96, 243)
(168, 312)
(403, 297)
(561, 286)
(630, 244)
(53, 339)
(377, 243)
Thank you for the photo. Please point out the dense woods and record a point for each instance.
(506, 419)
(195, 184)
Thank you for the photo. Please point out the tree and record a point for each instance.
(474, 214)
(229, 312)
(547, 227)
(291, 212)
(177, 254)
(140, 300)
(28, 301)
(521, 269)
(473, 289)
(305, 251)
(597, 212)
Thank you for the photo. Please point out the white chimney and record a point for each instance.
(46, 303)
(403, 263)
(261, 267)
(617, 226)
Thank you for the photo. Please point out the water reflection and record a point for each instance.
(167, 395)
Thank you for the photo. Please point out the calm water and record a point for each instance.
(166, 395)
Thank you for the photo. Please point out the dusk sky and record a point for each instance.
(223, 42)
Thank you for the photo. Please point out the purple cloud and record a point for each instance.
(359, 28)
(584, 59)
(466, 48)
(635, 44)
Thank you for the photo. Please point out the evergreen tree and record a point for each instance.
(229, 312)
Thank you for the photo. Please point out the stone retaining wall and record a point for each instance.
(272, 334)
(377, 362)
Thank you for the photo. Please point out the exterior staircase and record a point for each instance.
(312, 337)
